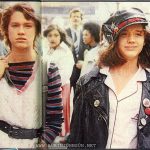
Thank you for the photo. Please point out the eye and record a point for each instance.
(28, 25)
(139, 34)
(56, 35)
(14, 25)
(49, 35)
(123, 34)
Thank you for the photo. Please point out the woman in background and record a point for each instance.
(59, 52)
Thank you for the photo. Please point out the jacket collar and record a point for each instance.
(94, 73)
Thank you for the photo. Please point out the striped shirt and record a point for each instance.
(19, 73)
(54, 106)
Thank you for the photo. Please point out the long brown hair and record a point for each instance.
(110, 57)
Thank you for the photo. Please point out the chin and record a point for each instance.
(22, 46)
(131, 58)
(54, 47)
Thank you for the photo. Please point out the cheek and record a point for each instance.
(33, 33)
(49, 38)
(58, 40)
(119, 47)
(121, 43)
(79, 20)
(88, 38)
(10, 35)
(143, 42)
(9, 32)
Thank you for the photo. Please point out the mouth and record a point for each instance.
(75, 21)
(52, 42)
(21, 39)
(130, 47)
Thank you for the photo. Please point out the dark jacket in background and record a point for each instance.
(76, 72)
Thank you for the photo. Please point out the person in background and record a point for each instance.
(59, 52)
(91, 37)
(20, 76)
(112, 102)
(74, 33)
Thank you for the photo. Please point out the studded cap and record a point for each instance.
(120, 20)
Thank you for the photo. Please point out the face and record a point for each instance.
(87, 37)
(75, 19)
(21, 32)
(54, 38)
(131, 41)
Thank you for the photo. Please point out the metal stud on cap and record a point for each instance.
(96, 103)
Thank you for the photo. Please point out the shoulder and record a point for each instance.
(93, 74)
(148, 69)
(68, 30)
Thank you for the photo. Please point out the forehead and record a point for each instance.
(18, 16)
(134, 27)
(85, 31)
(54, 31)
(77, 13)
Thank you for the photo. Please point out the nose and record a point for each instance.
(130, 39)
(51, 39)
(21, 30)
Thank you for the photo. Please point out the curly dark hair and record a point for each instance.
(110, 57)
(94, 29)
(28, 13)
(63, 34)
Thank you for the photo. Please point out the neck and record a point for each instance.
(22, 55)
(75, 27)
(130, 67)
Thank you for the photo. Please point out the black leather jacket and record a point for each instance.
(90, 119)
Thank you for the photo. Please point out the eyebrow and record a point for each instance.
(23, 23)
(140, 30)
